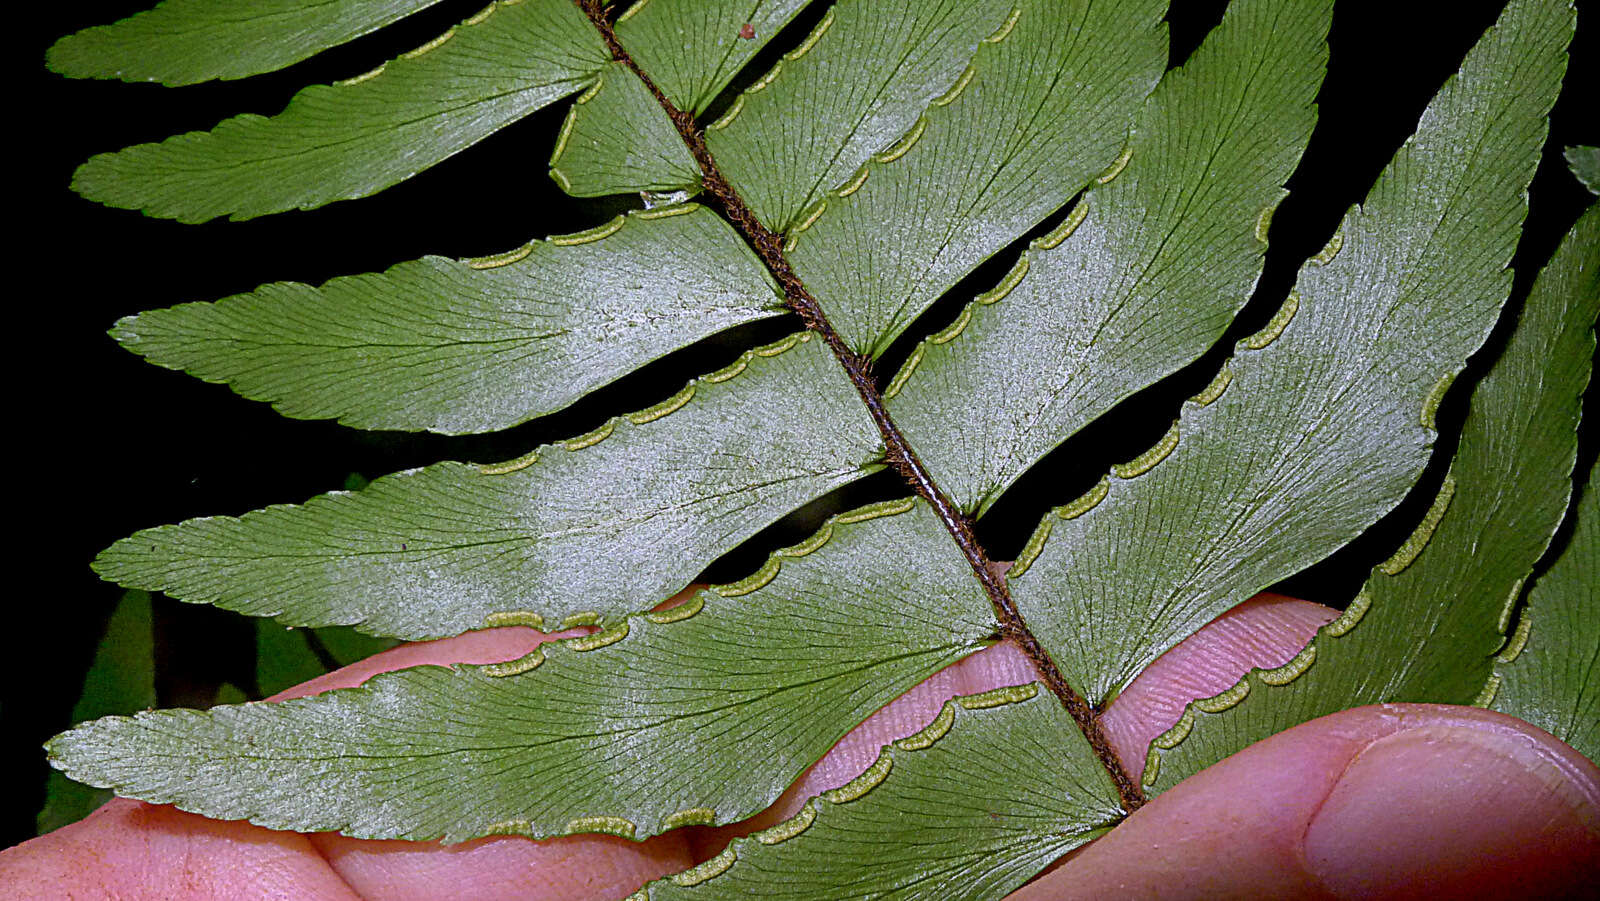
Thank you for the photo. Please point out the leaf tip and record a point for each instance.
(1583, 161)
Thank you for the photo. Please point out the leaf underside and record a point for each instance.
(861, 90)
(1325, 418)
(692, 73)
(121, 680)
(1550, 674)
(729, 698)
(912, 826)
(893, 149)
(1428, 622)
(355, 138)
(1105, 304)
(471, 345)
(1046, 109)
(617, 139)
(436, 551)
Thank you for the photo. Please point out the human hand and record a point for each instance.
(1391, 801)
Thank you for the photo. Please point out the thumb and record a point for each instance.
(1402, 800)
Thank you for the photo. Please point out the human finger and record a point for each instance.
(131, 850)
(1391, 801)
(1378, 784)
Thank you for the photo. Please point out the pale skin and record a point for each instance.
(1378, 802)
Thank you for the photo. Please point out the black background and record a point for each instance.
(103, 444)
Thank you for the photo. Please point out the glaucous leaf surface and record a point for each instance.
(851, 89)
(1322, 421)
(1548, 674)
(698, 714)
(998, 787)
(1145, 273)
(460, 346)
(357, 137)
(1047, 108)
(189, 41)
(1428, 622)
(603, 525)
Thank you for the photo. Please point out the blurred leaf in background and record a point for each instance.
(121, 680)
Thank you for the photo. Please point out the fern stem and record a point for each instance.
(899, 453)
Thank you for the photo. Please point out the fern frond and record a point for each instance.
(855, 162)
(724, 701)
(1546, 674)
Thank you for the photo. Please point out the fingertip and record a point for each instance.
(1393, 801)
(1482, 808)
(129, 849)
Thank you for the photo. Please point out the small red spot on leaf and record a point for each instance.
(747, 31)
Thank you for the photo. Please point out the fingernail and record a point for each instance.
(1445, 810)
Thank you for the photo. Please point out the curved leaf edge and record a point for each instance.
(63, 57)
(126, 332)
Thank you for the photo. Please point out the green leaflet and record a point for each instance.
(701, 713)
(1548, 675)
(1585, 164)
(971, 808)
(618, 139)
(1145, 273)
(189, 41)
(472, 345)
(693, 48)
(1047, 108)
(1328, 418)
(1427, 623)
(121, 680)
(602, 525)
(851, 89)
(336, 142)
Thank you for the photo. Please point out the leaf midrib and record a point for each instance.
(902, 457)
